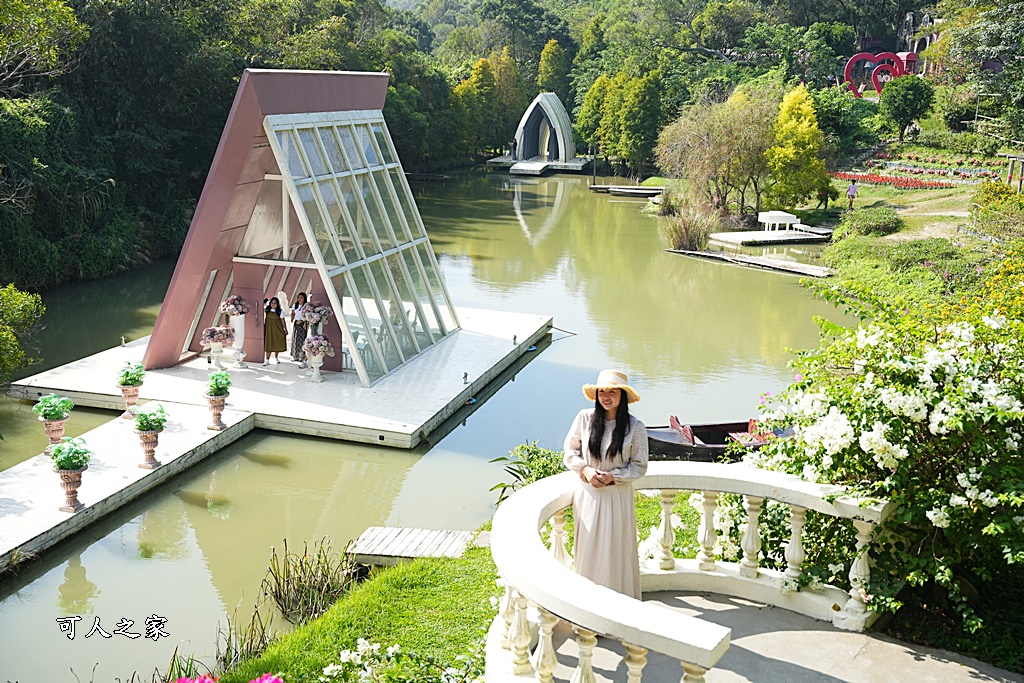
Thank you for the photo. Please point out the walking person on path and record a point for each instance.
(851, 192)
(275, 334)
(607, 447)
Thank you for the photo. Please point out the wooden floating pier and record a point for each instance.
(805, 269)
(768, 237)
(628, 190)
(387, 546)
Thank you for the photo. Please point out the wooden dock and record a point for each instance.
(628, 190)
(387, 546)
(792, 267)
(768, 237)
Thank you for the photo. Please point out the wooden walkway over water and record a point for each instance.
(386, 546)
(766, 262)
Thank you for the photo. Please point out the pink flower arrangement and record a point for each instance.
(318, 345)
(221, 334)
(315, 312)
(235, 305)
(207, 678)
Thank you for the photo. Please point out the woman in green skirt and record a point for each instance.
(275, 334)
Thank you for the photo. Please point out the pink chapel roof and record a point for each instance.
(234, 185)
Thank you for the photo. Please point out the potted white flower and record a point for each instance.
(149, 422)
(128, 381)
(70, 458)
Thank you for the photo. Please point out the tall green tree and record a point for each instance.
(641, 120)
(553, 72)
(589, 118)
(19, 318)
(478, 101)
(587, 64)
(904, 100)
(609, 130)
(795, 158)
(37, 38)
(511, 96)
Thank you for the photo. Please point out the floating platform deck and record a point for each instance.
(538, 165)
(804, 269)
(387, 546)
(766, 237)
(629, 190)
(399, 411)
(30, 492)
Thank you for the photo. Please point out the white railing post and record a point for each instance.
(636, 659)
(693, 673)
(667, 534)
(854, 613)
(707, 536)
(519, 638)
(558, 539)
(751, 542)
(506, 611)
(544, 659)
(587, 641)
(795, 550)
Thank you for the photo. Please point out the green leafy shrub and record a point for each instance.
(219, 384)
(53, 407)
(150, 419)
(874, 221)
(940, 139)
(70, 454)
(997, 210)
(988, 146)
(691, 226)
(131, 375)
(526, 464)
(964, 143)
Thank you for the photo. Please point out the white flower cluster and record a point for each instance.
(939, 517)
(994, 321)
(869, 336)
(833, 433)
(910, 405)
(941, 417)
(886, 454)
(972, 492)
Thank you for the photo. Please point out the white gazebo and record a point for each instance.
(777, 220)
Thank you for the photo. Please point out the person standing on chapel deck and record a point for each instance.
(851, 192)
(299, 330)
(607, 447)
(275, 334)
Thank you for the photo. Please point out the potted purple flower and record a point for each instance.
(316, 347)
(316, 314)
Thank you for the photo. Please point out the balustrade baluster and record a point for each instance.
(519, 637)
(795, 550)
(587, 641)
(693, 673)
(707, 536)
(751, 542)
(860, 572)
(506, 611)
(667, 533)
(636, 659)
(544, 659)
(558, 539)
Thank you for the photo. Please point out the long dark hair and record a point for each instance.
(618, 434)
(270, 306)
(305, 299)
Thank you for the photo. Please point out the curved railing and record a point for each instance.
(538, 576)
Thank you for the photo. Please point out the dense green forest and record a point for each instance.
(110, 110)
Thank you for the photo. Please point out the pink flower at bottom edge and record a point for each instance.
(267, 678)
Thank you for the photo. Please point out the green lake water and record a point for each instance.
(698, 339)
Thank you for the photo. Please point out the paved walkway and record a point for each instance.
(773, 645)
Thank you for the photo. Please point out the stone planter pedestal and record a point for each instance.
(217, 407)
(70, 481)
(315, 361)
(149, 440)
(238, 327)
(131, 396)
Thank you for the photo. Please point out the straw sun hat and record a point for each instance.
(611, 379)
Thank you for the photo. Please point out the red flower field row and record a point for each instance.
(899, 182)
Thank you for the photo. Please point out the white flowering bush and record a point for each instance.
(928, 415)
(370, 663)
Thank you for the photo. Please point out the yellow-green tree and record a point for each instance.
(553, 72)
(795, 161)
(511, 95)
(19, 317)
(640, 120)
(476, 99)
(609, 130)
(589, 118)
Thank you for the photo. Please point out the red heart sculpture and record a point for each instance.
(896, 69)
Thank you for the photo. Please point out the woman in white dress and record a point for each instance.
(607, 447)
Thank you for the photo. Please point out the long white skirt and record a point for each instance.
(604, 539)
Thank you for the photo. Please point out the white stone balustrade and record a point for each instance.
(542, 578)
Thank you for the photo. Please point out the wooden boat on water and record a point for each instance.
(710, 444)
(644, 192)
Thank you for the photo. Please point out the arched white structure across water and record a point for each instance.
(544, 140)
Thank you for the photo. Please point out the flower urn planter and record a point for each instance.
(131, 396)
(238, 327)
(217, 407)
(149, 440)
(315, 361)
(54, 430)
(70, 480)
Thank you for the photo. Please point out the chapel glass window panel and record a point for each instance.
(364, 139)
(417, 325)
(338, 164)
(389, 206)
(397, 315)
(382, 142)
(363, 229)
(291, 154)
(373, 208)
(422, 292)
(318, 224)
(375, 319)
(356, 328)
(405, 201)
(312, 150)
(447, 317)
(348, 143)
(334, 212)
